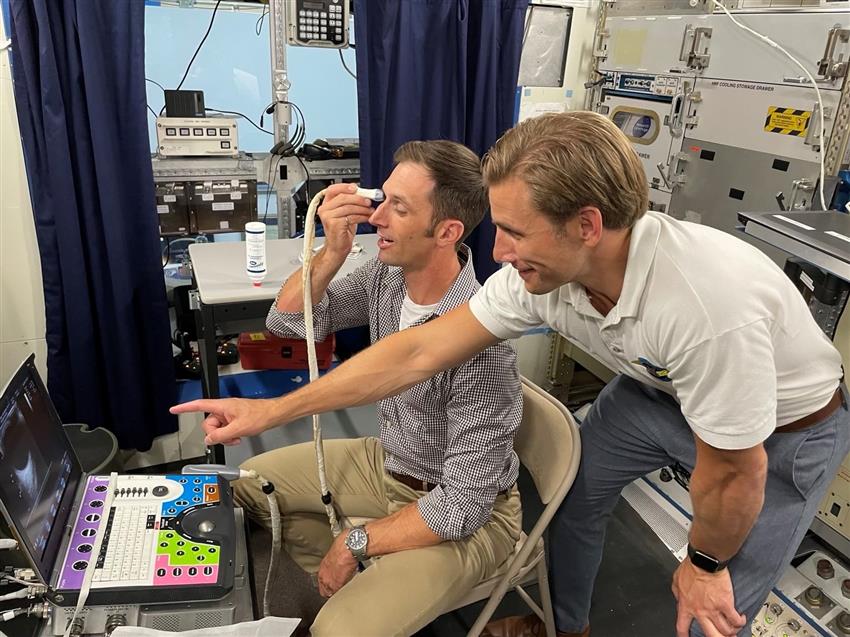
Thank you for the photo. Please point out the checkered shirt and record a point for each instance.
(455, 430)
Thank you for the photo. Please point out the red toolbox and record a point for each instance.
(264, 350)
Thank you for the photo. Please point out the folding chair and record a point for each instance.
(548, 444)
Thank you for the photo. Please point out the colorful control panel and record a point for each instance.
(159, 533)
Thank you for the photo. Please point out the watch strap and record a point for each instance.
(705, 561)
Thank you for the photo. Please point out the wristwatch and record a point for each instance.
(357, 540)
(705, 561)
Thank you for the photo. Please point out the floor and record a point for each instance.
(632, 596)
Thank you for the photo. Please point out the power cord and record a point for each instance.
(147, 79)
(270, 181)
(306, 174)
(197, 50)
(344, 65)
(242, 115)
(600, 81)
(259, 26)
(200, 44)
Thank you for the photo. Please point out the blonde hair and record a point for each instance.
(569, 161)
(459, 191)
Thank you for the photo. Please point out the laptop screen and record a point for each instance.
(39, 472)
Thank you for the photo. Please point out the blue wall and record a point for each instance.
(233, 70)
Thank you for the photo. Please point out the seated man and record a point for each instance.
(440, 480)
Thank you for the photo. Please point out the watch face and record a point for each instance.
(356, 539)
(705, 562)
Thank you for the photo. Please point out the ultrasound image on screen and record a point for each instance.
(35, 463)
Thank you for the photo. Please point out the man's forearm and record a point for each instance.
(377, 372)
(324, 267)
(390, 366)
(403, 530)
(725, 509)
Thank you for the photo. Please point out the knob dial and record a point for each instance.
(825, 569)
(814, 596)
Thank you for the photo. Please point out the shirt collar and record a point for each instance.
(460, 291)
(642, 246)
(464, 286)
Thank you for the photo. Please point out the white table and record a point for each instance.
(227, 299)
(219, 268)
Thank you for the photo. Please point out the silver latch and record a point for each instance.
(828, 67)
(673, 176)
(695, 44)
(812, 137)
(194, 300)
(800, 189)
(689, 108)
(600, 45)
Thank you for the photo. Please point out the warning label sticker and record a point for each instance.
(787, 121)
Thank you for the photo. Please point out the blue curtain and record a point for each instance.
(436, 69)
(78, 76)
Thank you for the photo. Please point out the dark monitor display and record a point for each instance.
(39, 472)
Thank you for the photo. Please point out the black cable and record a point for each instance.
(290, 146)
(268, 110)
(344, 65)
(147, 79)
(259, 26)
(219, 110)
(200, 44)
(300, 128)
(153, 112)
(307, 176)
(270, 181)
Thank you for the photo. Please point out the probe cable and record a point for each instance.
(307, 258)
(268, 488)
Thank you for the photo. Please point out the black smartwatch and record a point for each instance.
(705, 561)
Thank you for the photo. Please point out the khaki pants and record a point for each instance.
(401, 592)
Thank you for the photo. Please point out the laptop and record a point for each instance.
(130, 539)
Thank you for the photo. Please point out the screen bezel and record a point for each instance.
(44, 565)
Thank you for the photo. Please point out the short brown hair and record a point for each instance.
(569, 161)
(459, 191)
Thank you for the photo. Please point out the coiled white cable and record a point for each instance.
(377, 195)
(306, 282)
(274, 511)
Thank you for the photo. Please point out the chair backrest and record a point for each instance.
(547, 443)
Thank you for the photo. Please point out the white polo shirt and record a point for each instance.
(703, 316)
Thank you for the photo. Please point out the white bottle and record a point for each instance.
(255, 252)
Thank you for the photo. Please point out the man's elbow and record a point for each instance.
(750, 468)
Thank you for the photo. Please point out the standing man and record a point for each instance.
(722, 369)
(440, 481)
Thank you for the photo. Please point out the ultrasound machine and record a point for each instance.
(161, 551)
